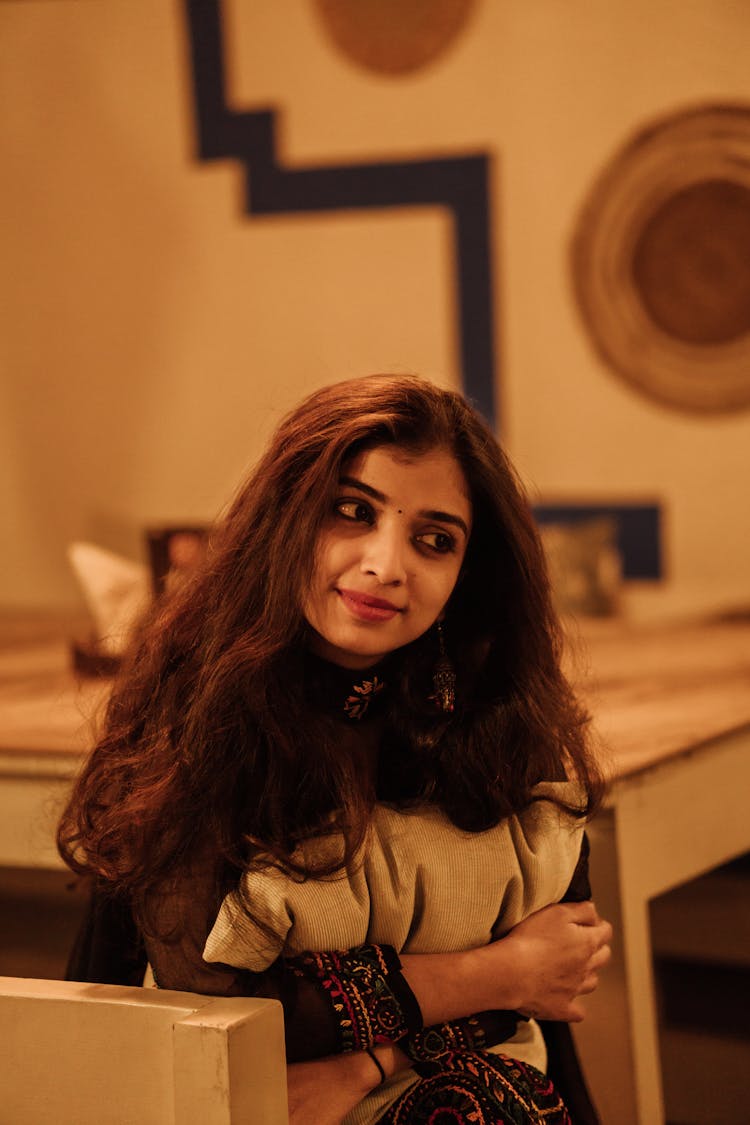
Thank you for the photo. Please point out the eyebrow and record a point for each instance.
(429, 513)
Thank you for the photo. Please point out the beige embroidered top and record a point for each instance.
(421, 885)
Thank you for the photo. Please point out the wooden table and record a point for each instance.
(46, 726)
(672, 708)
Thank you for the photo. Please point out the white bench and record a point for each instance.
(95, 1054)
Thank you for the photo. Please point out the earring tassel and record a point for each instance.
(443, 679)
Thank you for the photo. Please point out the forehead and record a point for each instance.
(432, 478)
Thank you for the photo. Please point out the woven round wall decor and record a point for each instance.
(393, 37)
(661, 260)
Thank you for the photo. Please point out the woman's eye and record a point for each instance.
(439, 541)
(355, 510)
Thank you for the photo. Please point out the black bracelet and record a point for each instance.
(369, 1051)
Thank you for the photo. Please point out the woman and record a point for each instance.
(371, 629)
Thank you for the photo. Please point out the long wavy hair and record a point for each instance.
(211, 744)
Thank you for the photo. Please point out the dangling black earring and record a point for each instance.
(443, 678)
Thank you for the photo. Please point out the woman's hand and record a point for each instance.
(539, 968)
(556, 955)
(323, 1091)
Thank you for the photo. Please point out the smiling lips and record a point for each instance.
(368, 608)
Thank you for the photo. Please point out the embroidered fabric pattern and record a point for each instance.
(366, 1007)
(478, 1088)
(358, 702)
(432, 1042)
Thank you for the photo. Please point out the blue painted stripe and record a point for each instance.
(459, 183)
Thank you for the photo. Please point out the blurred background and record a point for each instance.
(212, 207)
(154, 328)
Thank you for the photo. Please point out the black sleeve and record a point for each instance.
(563, 1065)
(108, 948)
(579, 889)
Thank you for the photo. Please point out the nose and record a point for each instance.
(384, 555)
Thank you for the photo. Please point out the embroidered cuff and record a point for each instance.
(372, 1002)
(474, 1033)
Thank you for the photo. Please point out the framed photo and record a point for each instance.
(174, 550)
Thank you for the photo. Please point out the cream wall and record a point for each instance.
(152, 333)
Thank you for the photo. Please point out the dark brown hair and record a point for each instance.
(210, 744)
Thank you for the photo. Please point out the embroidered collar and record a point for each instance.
(357, 703)
(346, 693)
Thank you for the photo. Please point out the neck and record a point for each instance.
(347, 693)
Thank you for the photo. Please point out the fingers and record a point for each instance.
(600, 931)
(599, 944)
(589, 984)
(600, 957)
(561, 950)
(606, 930)
(586, 914)
(582, 913)
(600, 934)
(596, 929)
(575, 1013)
(597, 961)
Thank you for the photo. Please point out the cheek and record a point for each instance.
(317, 581)
(328, 566)
(439, 590)
(324, 562)
(335, 555)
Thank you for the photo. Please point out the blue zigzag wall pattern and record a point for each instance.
(458, 183)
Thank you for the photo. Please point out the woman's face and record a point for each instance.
(389, 555)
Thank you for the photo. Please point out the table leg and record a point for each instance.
(618, 1039)
(661, 829)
